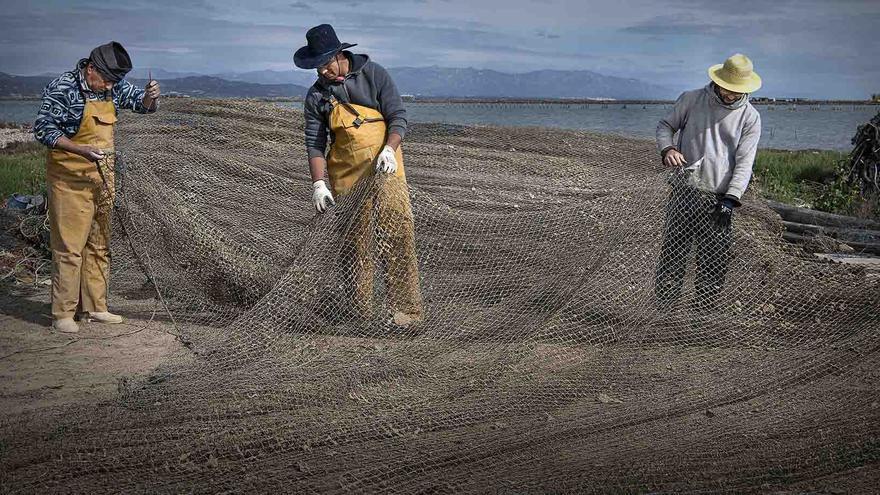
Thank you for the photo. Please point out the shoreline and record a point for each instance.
(578, 101)
(11, 136)
(518, 101)
(782, 130)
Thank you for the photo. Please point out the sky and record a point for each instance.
(803, 48)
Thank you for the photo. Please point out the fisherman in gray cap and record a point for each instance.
(76, 123)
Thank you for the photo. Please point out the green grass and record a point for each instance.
(796, 177)
(812, 179)
(22, 169)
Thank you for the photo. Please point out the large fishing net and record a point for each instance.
(586, 327)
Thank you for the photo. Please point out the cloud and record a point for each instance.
(728, 10)
(302, 6)
(177, 50)
(547, 35)
(49, 41)
(349, 3)
(668, 25)
(790, 9)
(793, 42)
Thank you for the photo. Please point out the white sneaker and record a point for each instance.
(66, 325)
(105, 317)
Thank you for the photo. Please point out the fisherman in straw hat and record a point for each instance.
(718, 132)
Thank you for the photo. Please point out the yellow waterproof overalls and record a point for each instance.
(359, 136)
(80, 202)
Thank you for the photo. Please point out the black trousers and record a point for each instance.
(689, 227)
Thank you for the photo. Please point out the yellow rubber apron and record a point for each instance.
(382, 225)
(359, 136)
(80, 203)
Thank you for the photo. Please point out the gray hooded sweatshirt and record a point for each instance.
(367, 84)
(718, 141)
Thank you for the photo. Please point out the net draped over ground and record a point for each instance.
(543, 363)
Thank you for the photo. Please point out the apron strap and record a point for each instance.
(359, 119)
(85, 100)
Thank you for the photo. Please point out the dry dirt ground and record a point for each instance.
(448, 406)
(40, 368)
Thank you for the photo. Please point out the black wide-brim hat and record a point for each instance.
(323, 44)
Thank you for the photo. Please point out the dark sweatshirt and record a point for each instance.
(367, 84)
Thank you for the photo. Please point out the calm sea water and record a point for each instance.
(784, 126)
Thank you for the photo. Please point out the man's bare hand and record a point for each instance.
(91, 153)
(674, 158)
(153, 90)
(151, 95)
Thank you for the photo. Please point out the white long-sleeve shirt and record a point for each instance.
(718, 141)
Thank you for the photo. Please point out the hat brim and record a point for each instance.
(750, 86)
(306, 59)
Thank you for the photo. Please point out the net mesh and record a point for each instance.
(585, 326)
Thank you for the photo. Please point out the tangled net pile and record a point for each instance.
(543, 364)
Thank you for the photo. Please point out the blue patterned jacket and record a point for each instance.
(63, 104)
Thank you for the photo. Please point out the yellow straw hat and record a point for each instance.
(736, 74)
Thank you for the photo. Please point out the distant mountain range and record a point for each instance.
(434, 82)
(22, 85)
(439, 81)
(195, 86)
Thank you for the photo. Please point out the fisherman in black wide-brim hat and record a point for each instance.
(356, 103)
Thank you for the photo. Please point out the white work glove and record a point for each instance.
(322, 196)
(387, 162)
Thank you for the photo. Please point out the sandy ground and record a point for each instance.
(366, 407)
(42, 368)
